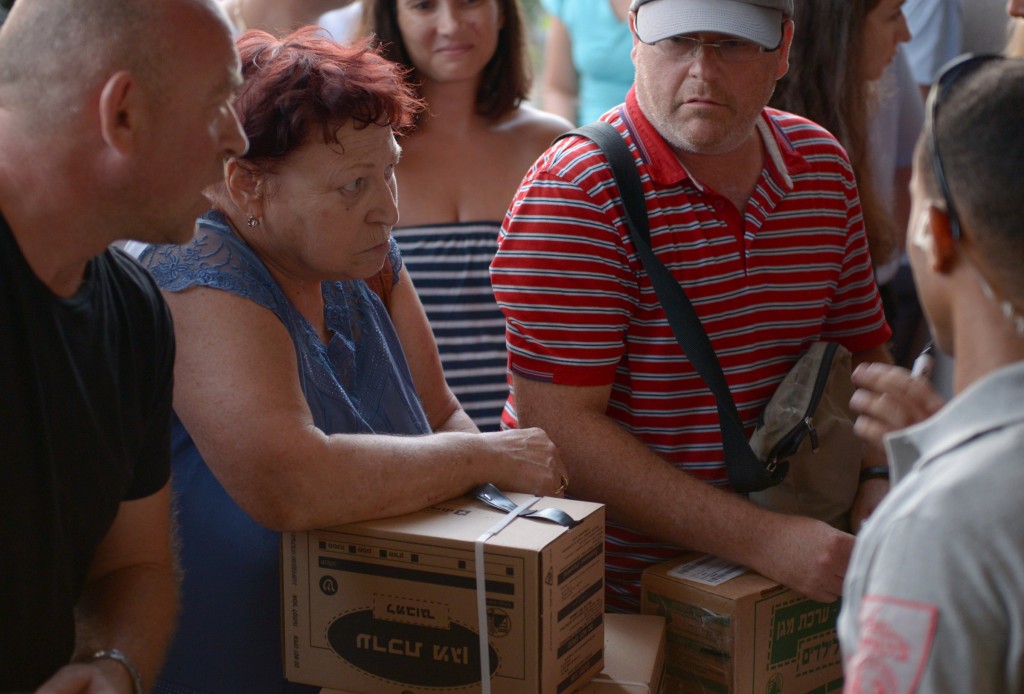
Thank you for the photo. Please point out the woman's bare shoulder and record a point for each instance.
(533, 124)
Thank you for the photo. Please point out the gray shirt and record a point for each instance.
(934, 596)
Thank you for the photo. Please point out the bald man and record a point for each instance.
(114, 116)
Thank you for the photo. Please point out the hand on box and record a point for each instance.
(806, 555)
(528, 462)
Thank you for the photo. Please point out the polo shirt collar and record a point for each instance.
(666, 169)
(990, 403)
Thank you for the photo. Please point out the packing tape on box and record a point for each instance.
(481, 588)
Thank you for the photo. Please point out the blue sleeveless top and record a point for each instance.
(229, 631)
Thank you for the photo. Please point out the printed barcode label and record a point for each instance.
(710, 571)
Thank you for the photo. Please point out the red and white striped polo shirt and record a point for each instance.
(792, 268)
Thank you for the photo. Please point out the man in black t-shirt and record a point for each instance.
(114, 116)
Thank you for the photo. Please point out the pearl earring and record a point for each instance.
(252, 222)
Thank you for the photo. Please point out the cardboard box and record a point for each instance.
(732, 630)
(634, 655)
(390, 606)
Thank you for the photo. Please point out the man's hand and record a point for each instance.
(128, 603)
(806, 555)
(888, 399)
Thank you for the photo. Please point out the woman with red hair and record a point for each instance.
(303, 398)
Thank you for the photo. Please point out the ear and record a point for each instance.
(787, 44)
(244, 188)
(943, 250)
(120, 111)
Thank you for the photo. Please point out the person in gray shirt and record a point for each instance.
(934, 596)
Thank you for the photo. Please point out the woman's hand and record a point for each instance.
(527, 461)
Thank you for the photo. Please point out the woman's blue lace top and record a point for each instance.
(229, 630)
(359, 382)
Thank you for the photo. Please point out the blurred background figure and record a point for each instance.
(344, 23)
(858, 86)
(984, 25)
(893, 128)
(278, 17)
(937, 27)
(587, 64)
(1015, 46)
(460, 168)
(941, 29)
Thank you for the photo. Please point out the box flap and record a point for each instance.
(466, 519)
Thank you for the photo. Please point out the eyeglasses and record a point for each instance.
(949, 74)
(685, 48)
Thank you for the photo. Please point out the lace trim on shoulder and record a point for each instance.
(216, 258)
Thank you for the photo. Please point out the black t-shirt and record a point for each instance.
(85, 417)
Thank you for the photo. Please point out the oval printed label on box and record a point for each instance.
(408, 653)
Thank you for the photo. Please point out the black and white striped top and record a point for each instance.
(449, 265)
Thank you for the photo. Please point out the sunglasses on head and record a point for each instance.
(950, 73)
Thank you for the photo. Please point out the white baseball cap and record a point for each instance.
(759, 21)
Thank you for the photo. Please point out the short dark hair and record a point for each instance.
(506, 79)
(305, 84)
(981, 141)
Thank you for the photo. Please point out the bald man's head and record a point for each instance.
(55, 52)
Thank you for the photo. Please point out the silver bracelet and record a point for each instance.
(119, 656)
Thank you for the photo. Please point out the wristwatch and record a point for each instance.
(870, 473)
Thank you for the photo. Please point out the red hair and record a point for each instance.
(303, 83)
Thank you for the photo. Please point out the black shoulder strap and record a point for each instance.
(746, 472)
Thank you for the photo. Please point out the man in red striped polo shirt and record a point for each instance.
(756, 213)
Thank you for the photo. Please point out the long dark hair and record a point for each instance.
(506, 79)
(827, 84)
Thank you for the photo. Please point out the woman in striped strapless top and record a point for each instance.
(459, 170)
